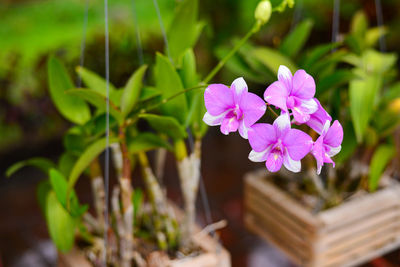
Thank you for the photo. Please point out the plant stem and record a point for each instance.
(242, 41)
(270, 109)
(98, 193)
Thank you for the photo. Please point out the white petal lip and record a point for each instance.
(326, 127)
(258, 156)
(284, 73)
(290, 164)
(214, 120)
(239, 85)
(333, 151)
(243, 130)
(282, 122)
(310, 105)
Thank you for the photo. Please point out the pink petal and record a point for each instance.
(303, 85)
(229, 125)
(274, 161)
(318, 153)
(300, 116)
(285, 76)
(334, 136)
(317, 119)
(276, 95)
(282, 124)
(298, 144)
(261, 136)
(332, 151)
(218, 98)
(303, 109)
(290, 164)
(239, 88)
(253, 108)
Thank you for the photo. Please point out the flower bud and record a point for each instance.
(263, 12)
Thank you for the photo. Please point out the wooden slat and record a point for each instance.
(274, 223)
(359, 208)
(251, 223)
(380, 219)
(285, 201)
(265, 205)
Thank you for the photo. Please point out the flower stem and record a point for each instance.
(270, 109)
(242, 41)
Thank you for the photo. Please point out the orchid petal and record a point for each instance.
(303, 85)
(261, 136)
(276, 94)
(253, 108)
(298, 143)
(290, 164)
(333, 151)
(218, 98)
(319, 118)
(318, 151)
(229, 125)
(274, 161)
(334, 136)
(239, 88)
(259, 156)
(214, 120)
(282, 124)
(243, 129)
(285, 76)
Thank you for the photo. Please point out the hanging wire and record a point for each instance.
(379, 19)
(335, 22)
(83, 43)
(164, 33)
(296, 14)
(107, 151)
(137, 32)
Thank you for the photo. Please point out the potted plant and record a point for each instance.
(143, 227)
(339, 216)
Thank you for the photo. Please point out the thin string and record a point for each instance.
(335, 22)
(107, 151)
(379, 19)
(138, 39)
(296, 14)
(83, 42)
(203, 193)
(164, 33)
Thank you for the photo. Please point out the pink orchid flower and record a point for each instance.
(295, 92)
(233, 108)
(328, 144)
(278, 144)
(318, 118)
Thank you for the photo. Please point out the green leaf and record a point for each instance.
(147, 141)
(184, 29)
(381, 157)
(137, 202)
(349, 144)
(272, 59)
(42, 191)
(372, 36)
(377, 62)
(362, 95)
(59, 185)
(66, 162)
(94, 81)
(132, 90)
(74, 140)
(166, 125)
(293, 43)
(60, 223)
(148, 92)
(71, 107)
(86, 158)
(316, 54)
(337, 78)
(41, 163)
(359, 24)
(97, 100)
(169, 83)
(188, 69)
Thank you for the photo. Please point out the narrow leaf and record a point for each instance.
(132, 90)
(147, 141)
(380, 159)
(166, 125)
(41, 163)
(294, 42)
(94, 81)
(272, 59)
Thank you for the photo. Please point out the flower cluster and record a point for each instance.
(278, 144)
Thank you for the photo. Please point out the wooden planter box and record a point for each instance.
(347, 235)
(214, 254)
